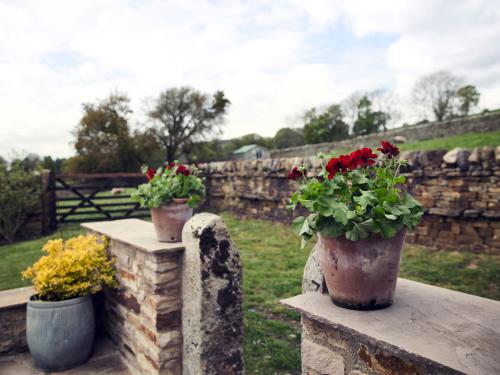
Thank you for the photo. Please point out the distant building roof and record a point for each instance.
(245, 149)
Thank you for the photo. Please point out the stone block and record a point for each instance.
(321, 359)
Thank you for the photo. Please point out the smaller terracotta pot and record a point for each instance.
(169, 219)
(361, 275)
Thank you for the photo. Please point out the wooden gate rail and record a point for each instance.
(84, 189)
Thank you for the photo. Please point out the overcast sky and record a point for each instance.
(273, 59)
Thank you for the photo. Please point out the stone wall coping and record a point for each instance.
(15, 297)
(458, 330)
(137, 233)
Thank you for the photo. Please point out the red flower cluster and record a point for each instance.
(388, 149)
(296, 173)
(345, 163)
(150, 173)
(181, 169)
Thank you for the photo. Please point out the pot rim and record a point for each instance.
(52, 304)
(372, 236)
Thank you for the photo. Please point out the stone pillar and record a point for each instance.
(178, 307)
(212, 316)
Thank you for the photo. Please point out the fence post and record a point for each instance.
(50, 201)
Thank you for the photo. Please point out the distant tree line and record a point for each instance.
(184, 123)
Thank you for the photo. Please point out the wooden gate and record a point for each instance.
(75, 198)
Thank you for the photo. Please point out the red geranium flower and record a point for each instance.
(388, 149)
(169, 165)
(150, 173)
(363, 157)
(334, 165)
(182, 169)
(296, 173)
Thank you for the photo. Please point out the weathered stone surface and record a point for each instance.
(487, 156)
(320, 359)
(432, 158)
(313, 280)
(428, 330)
(212, 314)
(475, 156)
(139, 234)
(13, 320)
(400, 139)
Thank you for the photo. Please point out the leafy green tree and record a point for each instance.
(326, 126)
(147, 148)
(288, 137)
(369, 121)
(52, 164)
(468, 97)
(20, 191)
(103, 141)
(184, 115)
(204, 152)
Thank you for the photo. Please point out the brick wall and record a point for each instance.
(459, 190)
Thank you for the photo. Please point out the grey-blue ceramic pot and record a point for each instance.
(60, 334)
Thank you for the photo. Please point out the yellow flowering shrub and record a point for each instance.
(72, 268)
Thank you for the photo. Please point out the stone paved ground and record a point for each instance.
(105, 360)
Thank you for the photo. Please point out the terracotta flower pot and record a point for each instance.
(169, 219)
(361, 275)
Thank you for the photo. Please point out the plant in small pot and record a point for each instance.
(171, 194)
(360, 210)
(60, 322)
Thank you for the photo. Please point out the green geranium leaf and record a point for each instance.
(389, 228)
(332, 229)
(360, 231)
(400, 180)
(297, 223)
(359, 177)
(367, 198)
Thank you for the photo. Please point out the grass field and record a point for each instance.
(467, 140)
(273, 266)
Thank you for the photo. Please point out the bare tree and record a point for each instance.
(436, 93)
(349, 107)
(387, 102)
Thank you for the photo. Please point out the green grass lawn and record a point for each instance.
(273, 264)
(467, 140)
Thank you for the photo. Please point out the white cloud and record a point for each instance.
(273, 59)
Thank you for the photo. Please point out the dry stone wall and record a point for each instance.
(460, 192)
(412, 133)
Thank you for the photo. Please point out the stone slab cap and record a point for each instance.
(137, 233)
(15, 297)
(430, 324)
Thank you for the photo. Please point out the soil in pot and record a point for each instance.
(361, 275)
(169, 219)
(60, 334)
